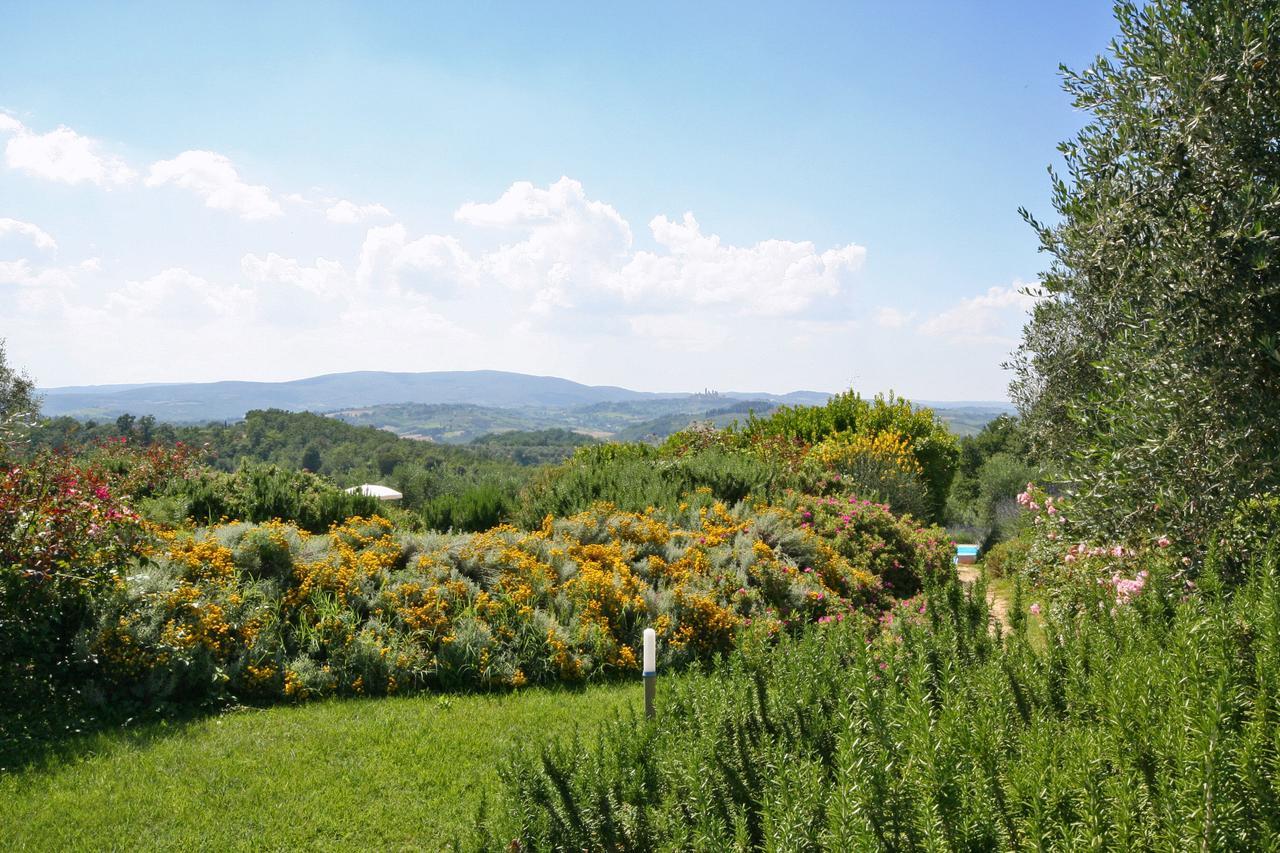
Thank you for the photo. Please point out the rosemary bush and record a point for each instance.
(1146, 723)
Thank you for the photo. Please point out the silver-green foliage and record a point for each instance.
(1149, 725)
(1148, 373)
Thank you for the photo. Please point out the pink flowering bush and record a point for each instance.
(899, 550)
(1057, 552)
(66, 534)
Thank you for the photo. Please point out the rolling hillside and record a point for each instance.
(216, 401)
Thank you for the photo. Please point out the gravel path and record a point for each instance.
(997, 603)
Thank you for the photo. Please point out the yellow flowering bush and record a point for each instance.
(881, 467)
(270, 612)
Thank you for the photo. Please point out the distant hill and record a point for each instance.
(456, 406)
(967, 417)
(217, 401)
(626, 420)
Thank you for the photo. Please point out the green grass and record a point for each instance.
(389, 773)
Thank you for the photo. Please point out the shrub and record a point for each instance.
(269, 611)
(1007, 558)
(881, 468)
(931, 443)
(65, 536)
(475, 509)
(900, 551)
(265, 492)
(634, 477)
(1252, 529)
(933, 733)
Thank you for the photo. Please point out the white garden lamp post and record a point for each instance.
(650, 670)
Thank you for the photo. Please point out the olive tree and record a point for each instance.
(1148, 374)
(17, 390)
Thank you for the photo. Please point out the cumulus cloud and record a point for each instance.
(431, 263)
(992, 317)
(33, 288)
(61, 155)
(570, 242)
(573, 245)
(564, 250)
(325, 278)
(34, 233)
(177, 295)
(214, 178)
(346, 212)
(541, 278)
(771, 277)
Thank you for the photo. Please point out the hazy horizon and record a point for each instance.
(42, 388)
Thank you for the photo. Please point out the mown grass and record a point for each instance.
(389, 773)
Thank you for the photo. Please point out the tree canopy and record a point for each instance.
(1148, 374)
(17, 389)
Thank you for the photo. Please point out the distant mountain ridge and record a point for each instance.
(229, 400)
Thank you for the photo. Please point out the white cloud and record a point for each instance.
(325, 278)
(571, 243)
(771, 277)
(61, 155)
(176, 295)
(346, 212)
(214, 178)
(35, 288)
(575, 245)
(568, 251)
(892, 318)
(35, 233)
(430, 263)
(993, 317)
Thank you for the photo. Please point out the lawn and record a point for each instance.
(390, 773)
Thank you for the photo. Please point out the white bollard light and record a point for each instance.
(650, 670)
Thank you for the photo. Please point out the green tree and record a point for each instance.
(311, 459)
(1146, 374)
(17, 389)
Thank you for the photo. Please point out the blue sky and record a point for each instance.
(230, 192)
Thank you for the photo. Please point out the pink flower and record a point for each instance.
(1163, 542)
(1035, 610)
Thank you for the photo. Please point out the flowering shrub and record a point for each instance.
(881, 467)
(1079, 573)
(144, 470)
(270, 611)
(897, 549)
(65, 534)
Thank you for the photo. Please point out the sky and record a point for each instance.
(663, 196)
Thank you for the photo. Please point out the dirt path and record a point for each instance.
(998, 604)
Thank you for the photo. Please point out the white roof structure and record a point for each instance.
(382, 493)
